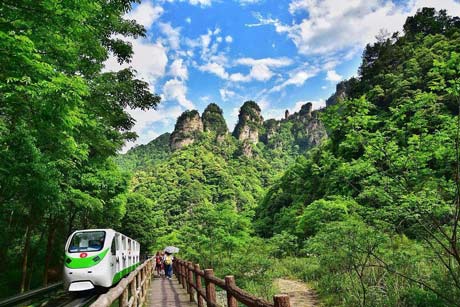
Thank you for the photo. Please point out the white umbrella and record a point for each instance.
(171, 250)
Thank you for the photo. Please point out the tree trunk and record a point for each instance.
(73, 213)
(25, 254)
(49, 249)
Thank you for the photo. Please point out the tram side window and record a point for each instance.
(113, 248)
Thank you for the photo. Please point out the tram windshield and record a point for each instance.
(88, 241)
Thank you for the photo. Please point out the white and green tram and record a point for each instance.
(98, 257)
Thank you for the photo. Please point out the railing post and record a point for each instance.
(187, 283)
(182, 273)
(142, 272)
(190, 281)
(124, 298)
(174, 266)
(210, 287)
(132, 285)
(177, 268)
(138, 282)
(281, 300)
(198, 285)
(230, 282)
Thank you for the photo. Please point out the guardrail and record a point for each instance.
(190, 275)
(131, 290)
(20, 298)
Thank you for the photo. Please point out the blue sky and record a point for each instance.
(280, 53)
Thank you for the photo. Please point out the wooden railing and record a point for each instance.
(190, 277)
(131, 291)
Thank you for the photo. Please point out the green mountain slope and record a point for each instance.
(140, 157)
(375, 207)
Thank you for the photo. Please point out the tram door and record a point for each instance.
(129, 252)
(115, 251)
(123, 249)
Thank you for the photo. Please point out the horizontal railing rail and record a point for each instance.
(190, 277)
(131, 291)
(20, 298)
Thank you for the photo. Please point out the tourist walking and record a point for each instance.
(158, 263)
(168, 261)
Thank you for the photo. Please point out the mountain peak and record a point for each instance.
(213, 120)
(186, 130)
(249, 123)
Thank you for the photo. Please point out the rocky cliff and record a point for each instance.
(299, 131)
(296, 132)
(250, 122)
(342, 91)
(187, 130)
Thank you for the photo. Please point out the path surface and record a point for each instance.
(300, 295)
(168, 293)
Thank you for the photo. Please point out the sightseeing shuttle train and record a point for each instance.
(98, 257)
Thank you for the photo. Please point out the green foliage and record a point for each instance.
(213, 120)
(375, 203)
(142, 156)
(56, 135)
(152, 221)
(322, 212)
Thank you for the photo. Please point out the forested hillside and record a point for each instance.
(369, 216)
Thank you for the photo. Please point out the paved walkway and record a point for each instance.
(168, 293)
(299, 293)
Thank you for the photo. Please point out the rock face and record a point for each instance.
(310, 134)
(307, 130)
(299, 131)
(340, 93)
(213, 120)
(187, 129)
(295, 132)
(304, 115)
(250, 122)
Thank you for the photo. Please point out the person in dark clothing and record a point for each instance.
(158, 263)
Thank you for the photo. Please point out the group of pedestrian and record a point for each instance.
(163, 264)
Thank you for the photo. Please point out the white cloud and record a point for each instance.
(333, 76)
(214, 68)
(219, 39)
(225, 94)
(178, 69)
(202, 3)
(260, 68)
(246, 2)
(145, 14)
(279, 62)
(175, 89)
(205, 41)
(172, 35)
(188, 20)
(228, 39)
(149, 60)
(296, 79)
(335, 25)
